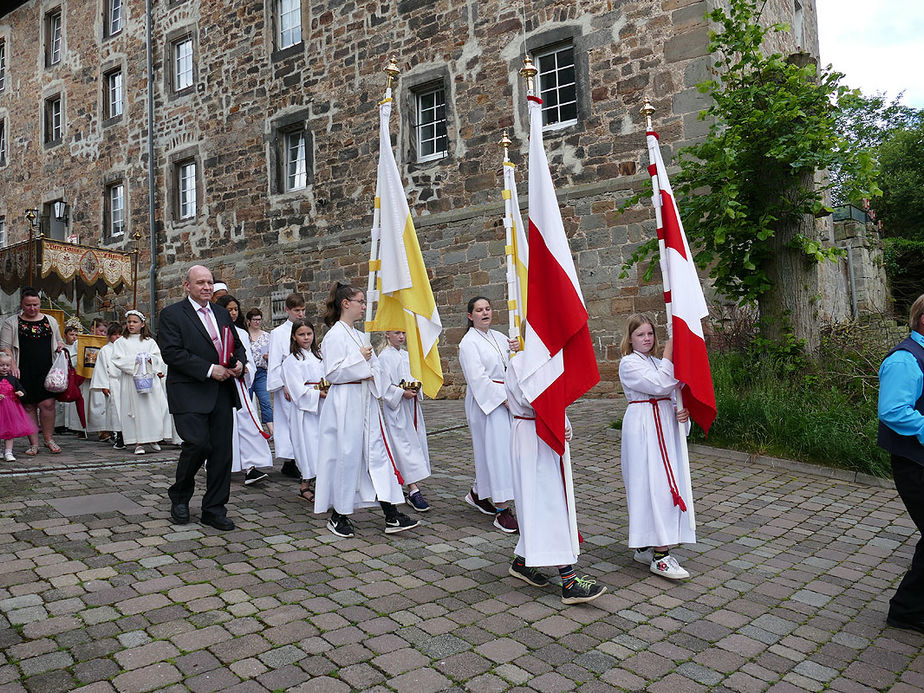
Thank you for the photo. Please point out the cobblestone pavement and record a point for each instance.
(100, 592)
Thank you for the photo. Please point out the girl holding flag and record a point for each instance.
(654, 470)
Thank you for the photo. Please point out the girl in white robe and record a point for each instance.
(355, 466)
(483, 355)
(249, 447)
(144, 416)
(282, 400)
(548, 522)
(70, 418)
(302, 372)
(658, 489)
(404, 419)
(105, 390)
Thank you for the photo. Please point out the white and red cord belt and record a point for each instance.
(662, 445)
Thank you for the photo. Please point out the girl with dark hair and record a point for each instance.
(302, 373)
(249, 450)
(355, 467)
(33, 338)
(483, 355)
(143, 413)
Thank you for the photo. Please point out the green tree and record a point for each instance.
(750, 189)
(901, 206)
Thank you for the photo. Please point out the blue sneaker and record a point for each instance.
(416, 499)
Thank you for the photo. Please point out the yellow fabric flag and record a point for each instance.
(405, 300)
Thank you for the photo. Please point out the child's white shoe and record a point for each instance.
(8, 456)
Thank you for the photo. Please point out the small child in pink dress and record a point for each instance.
(14, 421)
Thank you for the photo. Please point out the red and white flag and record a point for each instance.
(558, 362)
(683, 296)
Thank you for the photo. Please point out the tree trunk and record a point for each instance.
(790, 306)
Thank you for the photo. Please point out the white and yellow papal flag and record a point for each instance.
(517, 250)
(405, 300)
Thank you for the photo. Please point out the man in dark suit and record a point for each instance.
(201, 396)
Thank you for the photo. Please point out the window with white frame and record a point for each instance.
(53, 119)
(2, 64)
(296, 160)
(430, 106)
(289, 21)
(186, 189)
(114, 93)
(53, 37)
(557, 85)
(115, 210)
(2, 142)
(113, 17)
(183, 63)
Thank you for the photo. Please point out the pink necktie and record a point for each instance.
(211, 329)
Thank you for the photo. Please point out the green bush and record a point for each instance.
(904, 265)
(809, 416)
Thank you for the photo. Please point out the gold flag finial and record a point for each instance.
(647, 111)
(505, 142)
(529, 72)
(392, 71)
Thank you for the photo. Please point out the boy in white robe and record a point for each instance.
(404, 419)
(355, 467)
(282, 401)
(105, 390)
(548, 522)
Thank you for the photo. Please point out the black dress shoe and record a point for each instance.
(217, 521)
(905, 625)
(179, 513)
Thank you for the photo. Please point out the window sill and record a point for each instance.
(563, 125)
(51, 144)
(115, 120)
(288, 52)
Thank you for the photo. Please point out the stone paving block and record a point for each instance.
(137, 657)
(501, 650)
(215, 680)
(323, 684)
(147, 678)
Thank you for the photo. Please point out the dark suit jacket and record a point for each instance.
(188, 352)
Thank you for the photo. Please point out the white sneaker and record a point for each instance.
(669, 568)
(643, 556)
(8, 456)
(155, 447)
(139, 450)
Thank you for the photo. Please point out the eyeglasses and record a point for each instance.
(361, 301)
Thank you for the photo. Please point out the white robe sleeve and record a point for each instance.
(390, 363)
(343, 361)
(295, 374)
(100, 378)
(123, 356)
(249, 368)
(654, 379)
(278, 349)
(488, 394)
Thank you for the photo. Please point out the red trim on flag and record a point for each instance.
(691, 367)
(530, 97)
(653, 134)
(667, 296)
(660, 233)
(652, 170)
(673, 238)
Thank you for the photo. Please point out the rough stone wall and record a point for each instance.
(261, 241)
(865, 261)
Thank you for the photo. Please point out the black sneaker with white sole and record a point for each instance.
(254, 476)
(584, 589)
(528, 574)
(340, 525)
(398, 522)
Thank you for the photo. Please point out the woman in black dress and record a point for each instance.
(33, 338)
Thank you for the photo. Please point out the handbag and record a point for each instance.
(144, 380)
(56, 380)
(72, 391)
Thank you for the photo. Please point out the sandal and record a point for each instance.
(32, 451)
(53, 446)
(306, 495)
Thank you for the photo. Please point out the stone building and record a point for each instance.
(261, 119)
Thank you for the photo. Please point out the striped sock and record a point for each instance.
(568, 576)
(658, 555)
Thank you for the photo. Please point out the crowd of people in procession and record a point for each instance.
(346, 421)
